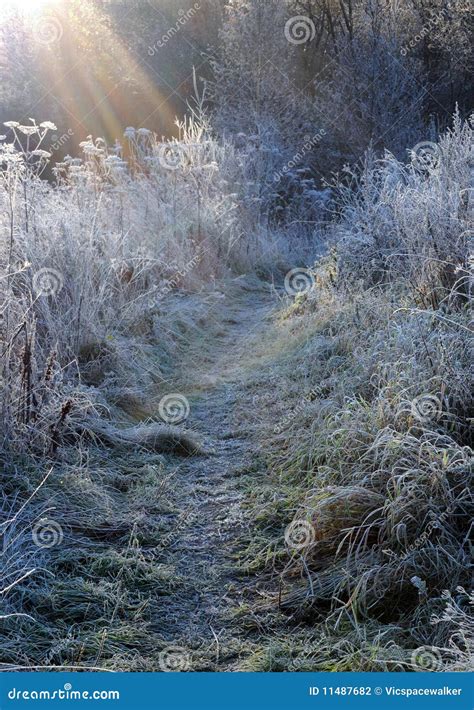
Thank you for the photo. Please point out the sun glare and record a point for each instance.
(28, 6)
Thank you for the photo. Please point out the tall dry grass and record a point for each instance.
(372, 453)
(90, 259)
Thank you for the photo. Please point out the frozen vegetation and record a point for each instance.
(236, 365)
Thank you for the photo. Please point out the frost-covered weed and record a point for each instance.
(376, 464)
(413, 221)
(90, 258)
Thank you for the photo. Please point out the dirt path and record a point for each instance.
(143, 574)
(210, 525)
(169, 563)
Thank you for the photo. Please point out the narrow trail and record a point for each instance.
(209, 529)
(145, 575)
